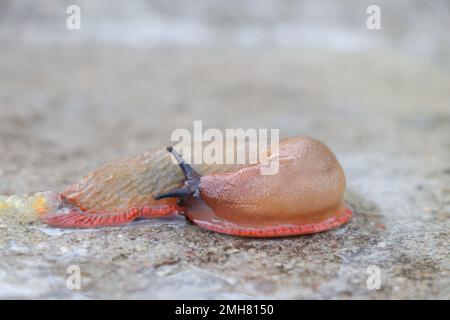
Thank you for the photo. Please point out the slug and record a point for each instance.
(121, 191)
(305, 196)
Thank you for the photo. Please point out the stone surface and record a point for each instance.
(67, 107)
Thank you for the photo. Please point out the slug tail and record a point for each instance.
(76, 218)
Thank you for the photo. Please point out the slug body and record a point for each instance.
(304, 196)
(121, 191)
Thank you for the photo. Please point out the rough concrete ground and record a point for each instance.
(65, 110)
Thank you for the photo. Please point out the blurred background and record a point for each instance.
(71, 100)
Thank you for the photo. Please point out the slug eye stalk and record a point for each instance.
(191, 184)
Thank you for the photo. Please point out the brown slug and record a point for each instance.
(304, 196)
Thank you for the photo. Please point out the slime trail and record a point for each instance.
(28, 208)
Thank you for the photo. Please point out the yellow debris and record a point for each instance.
(39, 204)
(4, 205)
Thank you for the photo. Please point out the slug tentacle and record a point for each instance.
(175, 193)
(191, 185)
(189, 172)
